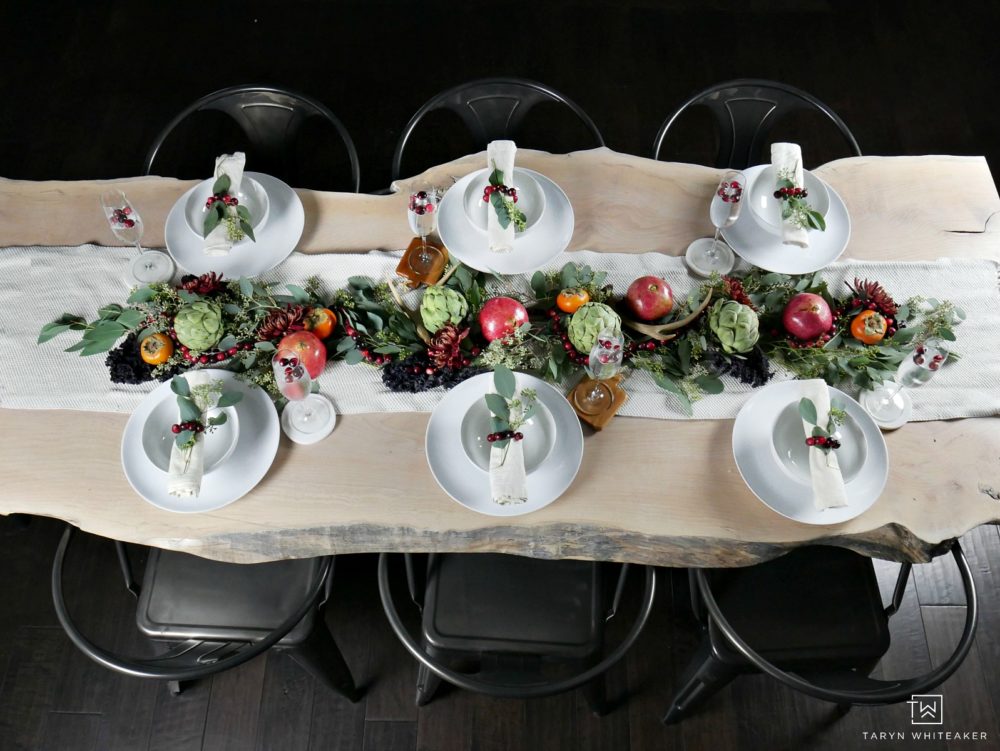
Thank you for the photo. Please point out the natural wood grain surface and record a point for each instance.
(367, 487)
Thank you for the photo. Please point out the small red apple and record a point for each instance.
(649, 298)
(807, 316)
(500, 316)
(309, 349)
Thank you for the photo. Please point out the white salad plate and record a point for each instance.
(278, 231)
(458, 453)
(237, 460)
(762, 247)
(771, 455)
(530, 200)
(767, 209)
(548, 237)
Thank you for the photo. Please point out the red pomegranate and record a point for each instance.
(807, 316)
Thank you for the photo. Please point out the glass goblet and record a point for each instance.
(422, 215)
(704, 256)
(605, 363)
(308, 413)
(889, 403)
(126, 224)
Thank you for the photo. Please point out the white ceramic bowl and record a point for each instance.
(157, 439)
(251, 194)
(766, 209)
(539, 436)
(788, 439)
(530, 199)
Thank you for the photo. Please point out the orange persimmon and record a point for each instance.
(571, 300)
(156, 349)
(321, 321)
(868, 327)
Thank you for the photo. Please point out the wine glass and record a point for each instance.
(889, 404)
(307, 413)
(706, 256)
(422, 214)
(605, 363)
(126, 224)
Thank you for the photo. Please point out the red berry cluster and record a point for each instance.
(786, 193)
(121, 216)
(194, 426)
(511, 193)
(730, 192)
(823, 442)
(935, 362)
(499, 436)
(292, 368)
(419, 204)
(819, 341)
(583, 358)
(224, 197)
(211, 355)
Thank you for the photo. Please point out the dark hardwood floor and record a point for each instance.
(52, 697)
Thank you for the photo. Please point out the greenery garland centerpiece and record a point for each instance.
(470, 322)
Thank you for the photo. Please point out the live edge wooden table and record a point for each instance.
(649, 491)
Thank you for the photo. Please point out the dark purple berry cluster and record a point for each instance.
(786, 193)
(753, 368)
(502, 434)
(224, 197)
(822, 442)
(418, 373)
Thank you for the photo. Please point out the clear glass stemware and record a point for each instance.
(605, 363)
(705, 257)
(126, 224)
(308, 413)
(422, 212)
(888, 403)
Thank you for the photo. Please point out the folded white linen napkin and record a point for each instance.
(500, 155)
(508, 478)
(217, 243)
(786, 158)
(187, 465)
(824, 469)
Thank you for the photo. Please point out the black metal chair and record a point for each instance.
(812, 619)
(746, 111)
(219, 615)
(491, 109)
(272, 120)
(508, 621)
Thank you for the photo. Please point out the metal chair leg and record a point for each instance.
(427, 684)
(704, 677)
(320, 656)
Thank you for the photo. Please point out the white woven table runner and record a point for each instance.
(38, 284)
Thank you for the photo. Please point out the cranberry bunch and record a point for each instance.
(194, 426)
(224, 197)
(121, 216)
(511, 192)
(419, 204)
(935, 362)
(786, 193)
(819, 341)
(292, 368)
(823, 442)
(499, 436)
(730, 192)
(210, 355)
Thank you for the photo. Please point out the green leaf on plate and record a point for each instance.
(188, 409)
(247, 229)
(219, 419)
(808, 411)
(179, 385)
(183, 437)
(229, 398)
(498, 406)
(222, 184)
(504, 381)
(212, 220)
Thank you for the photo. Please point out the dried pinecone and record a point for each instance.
(873, 292)
(753, 368)
(411, 374)
(125, 363)
(281, 322)
(206, 284)
(445, 349)
(733, 289)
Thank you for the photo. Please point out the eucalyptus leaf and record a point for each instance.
(76, 347)
(539, 284)
(227, 342)
(529, 412)
(496, 177)
(247, 229)
(668, 384)
(264, 346)
(345, 344)
(141, 294)
(568, 276)
(246, 287)
(299, 294)
(229, 398)
(219, 419)
(212, 220)
(188, 409)
(947, 334)
(388, 349)
(808, 411)
(498, 406)
(353, 356)
(222, 184)
(361, 282)
(188, 297)
(180, 386)
(243, 212)
(504, 381)
(710, 384)
(97, 347)
(50, 330)
(183, 437)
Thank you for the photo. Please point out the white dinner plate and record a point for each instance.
(763, 248)
(459, 460)
(230, 479)
(548, 238)
(781, 483)
(276, 237)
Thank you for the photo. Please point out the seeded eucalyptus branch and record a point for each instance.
(223, 207)
(504, 204)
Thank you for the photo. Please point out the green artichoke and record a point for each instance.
(441, 306)
(199, 325)
(735, 326)
(589, 321)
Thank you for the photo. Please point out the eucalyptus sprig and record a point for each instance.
(223, 207)
(794, 207)
(510, 409)
(211, 394)
(503, 204)
(822, 438)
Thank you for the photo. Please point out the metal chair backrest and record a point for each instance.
(491, 109)
(513, 690)
(850, 687)
(746, 110)
(188, 660)
(270, 118)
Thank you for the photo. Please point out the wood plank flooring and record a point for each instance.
(51, 697)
